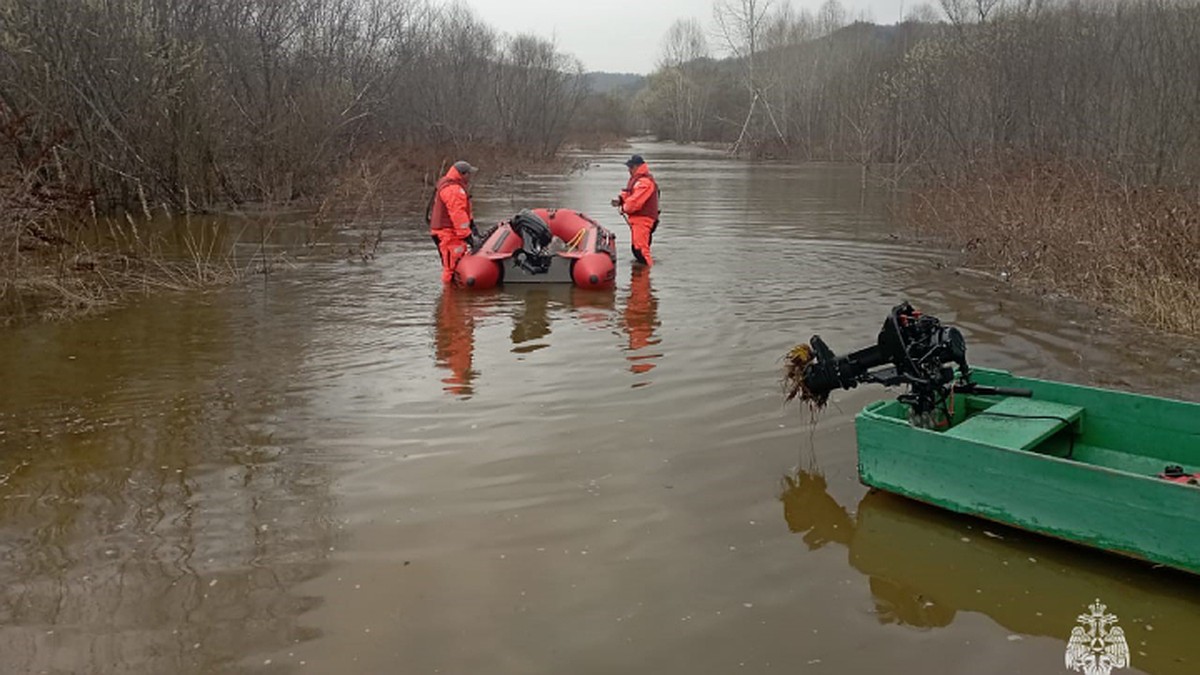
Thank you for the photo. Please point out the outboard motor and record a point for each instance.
(912, 349)
(535, 237)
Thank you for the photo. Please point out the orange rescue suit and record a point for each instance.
(450, 221)
(639, 202)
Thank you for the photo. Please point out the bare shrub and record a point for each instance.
(1071, 227)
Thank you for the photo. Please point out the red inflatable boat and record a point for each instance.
(542, 246)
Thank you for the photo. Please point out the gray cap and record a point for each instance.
(464, 168)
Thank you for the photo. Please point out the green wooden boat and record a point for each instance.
(1111, 470)
(1072, 462)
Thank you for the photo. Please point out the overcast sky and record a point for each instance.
(624, 35)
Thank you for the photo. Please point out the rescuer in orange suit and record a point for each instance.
(639, 202)
(451, 223)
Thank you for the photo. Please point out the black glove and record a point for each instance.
(617, 202)
(476, 239)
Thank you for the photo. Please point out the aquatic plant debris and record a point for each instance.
(798, 358)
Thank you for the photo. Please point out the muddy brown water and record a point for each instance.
(349, 469)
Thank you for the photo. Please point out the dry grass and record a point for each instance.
(80, 270)
(59, 259)
(1073, 229)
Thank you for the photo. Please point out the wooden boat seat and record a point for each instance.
(1017, 423)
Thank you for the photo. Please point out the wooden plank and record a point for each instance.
(1134, 423)
(1016, 423)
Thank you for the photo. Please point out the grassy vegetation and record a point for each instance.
(1071, 228)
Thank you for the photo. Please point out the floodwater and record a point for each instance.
(346, 468)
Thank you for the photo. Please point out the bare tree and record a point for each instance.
(195, 102)
(831, 16)
(684, 43)
(922, 13)
(1104, 81)
(964, 11)
(741, 24)
(537, 92)
(681, 70)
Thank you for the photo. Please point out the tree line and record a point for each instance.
(197, 103)
(959, 84)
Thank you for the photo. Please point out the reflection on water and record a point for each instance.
(810, 510)
(533, 309)
(640, 322)
(152, 507)
(924, 566)
(532, 319)
(454, 342)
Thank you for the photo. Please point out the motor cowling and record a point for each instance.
(535, 237)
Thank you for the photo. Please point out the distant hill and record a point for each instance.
(604, 83)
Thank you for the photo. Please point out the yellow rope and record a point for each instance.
(577, 239)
